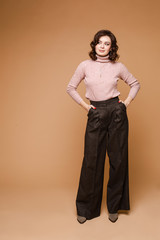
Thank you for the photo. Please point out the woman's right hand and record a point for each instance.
(90, 106)
(86, 106)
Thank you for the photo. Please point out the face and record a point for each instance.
(103, 46)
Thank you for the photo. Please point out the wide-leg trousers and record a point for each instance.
(106, 130)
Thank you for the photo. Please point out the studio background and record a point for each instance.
(42, 128)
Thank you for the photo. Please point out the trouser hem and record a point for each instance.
(120, 209)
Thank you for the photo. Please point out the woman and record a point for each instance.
(107, 128)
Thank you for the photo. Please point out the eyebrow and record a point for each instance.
(105, 42)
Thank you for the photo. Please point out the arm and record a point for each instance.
(127, 101)
(86, 106)
(77, 77)
(129, 79)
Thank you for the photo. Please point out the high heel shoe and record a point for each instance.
(81, 219)
(113, 217)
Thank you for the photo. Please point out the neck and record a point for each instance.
(102, 59)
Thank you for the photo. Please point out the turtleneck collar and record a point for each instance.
(102, 59)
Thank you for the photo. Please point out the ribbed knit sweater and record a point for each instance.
(101, 78)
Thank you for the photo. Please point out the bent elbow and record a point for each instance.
(138, 86)
(68, 89)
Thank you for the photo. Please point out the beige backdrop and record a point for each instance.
(42, 129)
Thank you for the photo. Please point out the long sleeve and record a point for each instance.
(77, 77)
(130, 80)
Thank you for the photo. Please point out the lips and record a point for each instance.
(101, 50)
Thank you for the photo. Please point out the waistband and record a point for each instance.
(104, 102)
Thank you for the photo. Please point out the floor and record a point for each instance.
(50, 214)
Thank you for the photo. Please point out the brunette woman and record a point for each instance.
(107, 128)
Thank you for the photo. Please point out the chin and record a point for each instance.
(103, 54)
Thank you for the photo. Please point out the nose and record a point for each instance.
(102, 45)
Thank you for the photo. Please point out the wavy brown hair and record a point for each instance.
(113, 56)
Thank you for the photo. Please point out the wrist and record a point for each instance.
(84, 105)
(127, 101)
(88, 107)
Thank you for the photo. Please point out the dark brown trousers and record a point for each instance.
(107, 129)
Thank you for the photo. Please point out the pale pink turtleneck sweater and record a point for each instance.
(101, 77)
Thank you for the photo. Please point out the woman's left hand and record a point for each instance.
(123, 102)
(127, 101)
